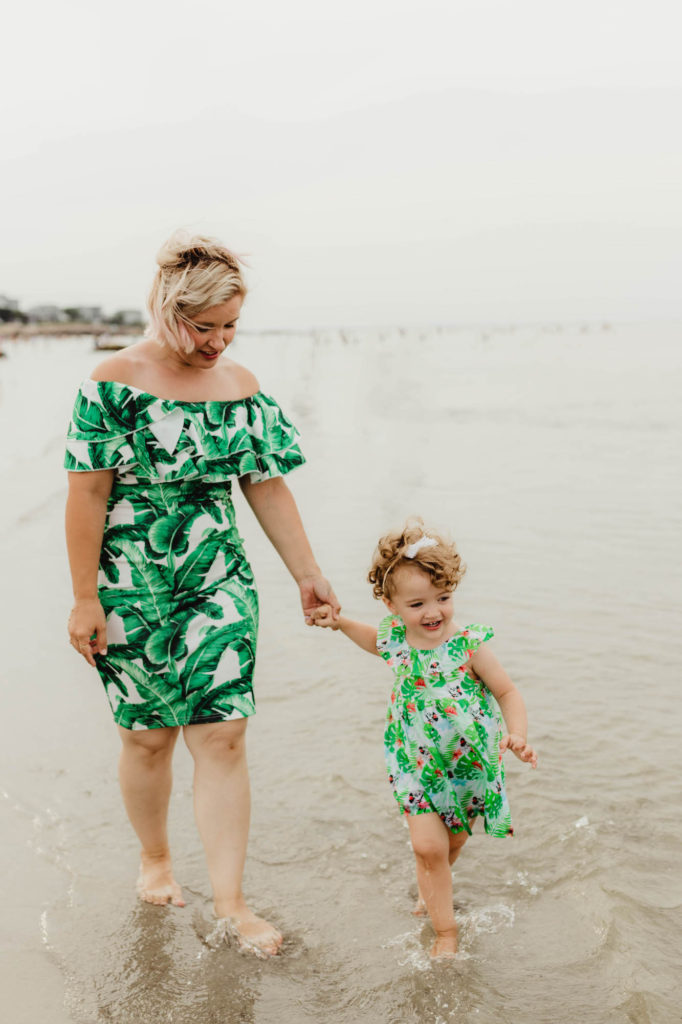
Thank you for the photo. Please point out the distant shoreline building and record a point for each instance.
(47, 314)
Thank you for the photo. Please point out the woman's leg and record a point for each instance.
(432, 851)
(145, 774)
(222, 805)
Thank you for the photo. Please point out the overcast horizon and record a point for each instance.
(377, 165)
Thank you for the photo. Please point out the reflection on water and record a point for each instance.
(551, 456)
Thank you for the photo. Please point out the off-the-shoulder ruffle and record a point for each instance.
(156, 440)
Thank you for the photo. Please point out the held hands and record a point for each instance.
(519, 747)
(316, 593)
(323, 616)
(88, 629)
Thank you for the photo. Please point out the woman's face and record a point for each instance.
(212, 331)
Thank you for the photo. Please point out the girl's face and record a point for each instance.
(213, 330)
(425, 609)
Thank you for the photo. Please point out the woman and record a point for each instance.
(165, 604)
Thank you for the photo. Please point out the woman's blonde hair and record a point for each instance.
(195, 273)
(436, 555)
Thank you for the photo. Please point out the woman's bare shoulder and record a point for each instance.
(241, 379)
(124, 366)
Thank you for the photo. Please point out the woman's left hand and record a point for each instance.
(315, 592)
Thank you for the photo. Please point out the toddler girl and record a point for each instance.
(443, 740)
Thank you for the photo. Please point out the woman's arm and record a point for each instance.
(359, 632)
(274, 507)
(86, 509)
(486, 665)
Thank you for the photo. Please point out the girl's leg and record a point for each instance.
(431, 845)
(455, 842)
(222, 806)
(145, 775)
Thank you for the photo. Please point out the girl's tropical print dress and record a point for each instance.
(177, 590)
(443, 730)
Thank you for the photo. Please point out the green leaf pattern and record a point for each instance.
(174, 581)
(443, 730)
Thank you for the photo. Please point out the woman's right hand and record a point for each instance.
(88, 629)
(323, 616)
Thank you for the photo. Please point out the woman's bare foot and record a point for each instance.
(156, 883)
(444, 946)
(254, 934)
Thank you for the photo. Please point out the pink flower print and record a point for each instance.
(420, 762)
(389, 661)
(393, 697)
(411, 706)
(457, 754)
(465, 632)
(423, 805)
(477, 764)
(394, 622)
(451, 711)
(420, 684)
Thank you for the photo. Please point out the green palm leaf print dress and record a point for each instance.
(174, 581)
(443, 731)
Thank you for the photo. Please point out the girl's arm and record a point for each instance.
(86, 510)
(274, 507)
(359, 632)
(486, 665)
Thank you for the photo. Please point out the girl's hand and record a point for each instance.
(88, 629)
(519, 747)
(316, 592)
(323, 616)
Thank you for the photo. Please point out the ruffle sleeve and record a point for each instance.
(461, 647)
(146, 439)
(391, 642)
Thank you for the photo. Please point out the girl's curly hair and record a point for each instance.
(441, 561)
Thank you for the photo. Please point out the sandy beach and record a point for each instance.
(552, 454)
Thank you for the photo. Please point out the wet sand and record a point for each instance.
(551, 456)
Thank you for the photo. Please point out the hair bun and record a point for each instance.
(183, 250)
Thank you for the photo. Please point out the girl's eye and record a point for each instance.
(417, 605)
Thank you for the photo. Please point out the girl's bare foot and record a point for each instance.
(156, 883)
(444, 946)
(254, 934)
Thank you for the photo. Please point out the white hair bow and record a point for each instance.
(423, 542)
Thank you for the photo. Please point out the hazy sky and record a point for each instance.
(378, 161)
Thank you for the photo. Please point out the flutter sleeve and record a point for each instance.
(100, 431)
(391, 641)
(271, 441)
(476, 635)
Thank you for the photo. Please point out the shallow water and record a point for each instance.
(552, 456)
